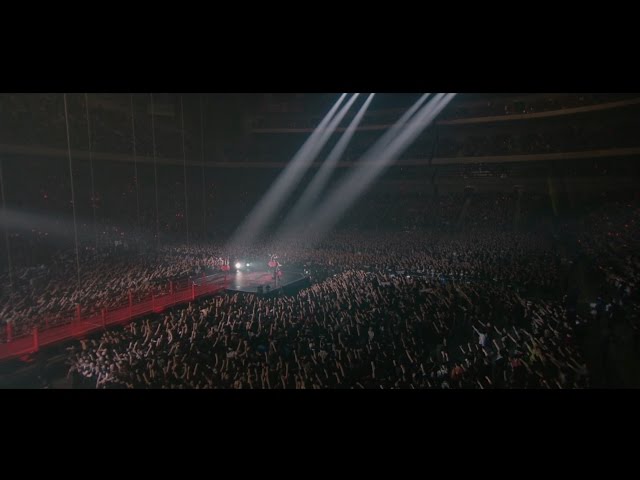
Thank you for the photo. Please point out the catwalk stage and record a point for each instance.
(261, 281)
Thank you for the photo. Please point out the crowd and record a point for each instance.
(477, 306)
(463, 107)
(568, 138)
(412, 289)
(49, 294)
(613, 244)
(423, 235)
(527, 104)
(39, 119)
(390, 310)
(485, 211)
(355, 329)
(575, 133)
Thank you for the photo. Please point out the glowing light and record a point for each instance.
(238, 265)
(280, 190)
(321, 178)
(374, 162)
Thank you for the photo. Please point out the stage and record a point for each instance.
(261, 281)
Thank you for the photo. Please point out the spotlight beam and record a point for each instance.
(324, 173)
(286, 181)
(389, 135)
(23, 221)
(59, 228)
(374, 151)
(335, 121)
(373, 163)
(419, 123)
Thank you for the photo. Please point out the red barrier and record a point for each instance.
(60, 329)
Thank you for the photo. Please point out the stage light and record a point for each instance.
(321, 178)
(238, 265)
(374, 162)
(286, 182)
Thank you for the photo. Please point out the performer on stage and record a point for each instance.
(273, 263)
(225, 268)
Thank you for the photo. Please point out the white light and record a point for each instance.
(248, 264)
(238, 265)
(281, 189)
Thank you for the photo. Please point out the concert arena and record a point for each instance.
(319, 241)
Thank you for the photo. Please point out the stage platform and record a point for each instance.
(289, 282)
